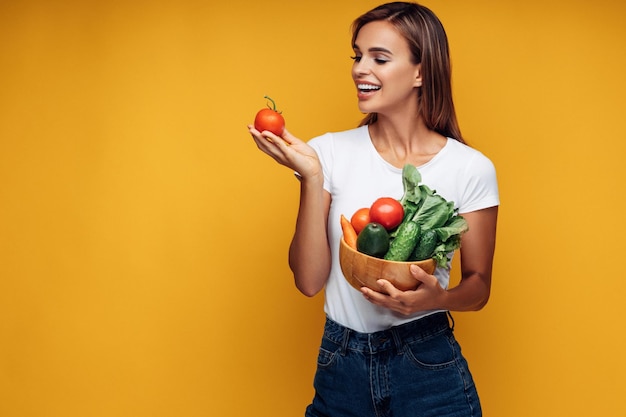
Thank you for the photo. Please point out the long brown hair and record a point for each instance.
(429, 47)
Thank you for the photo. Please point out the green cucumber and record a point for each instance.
(426, 246)
(403, 244)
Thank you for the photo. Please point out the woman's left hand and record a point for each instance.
(472, 292)
(428, 295)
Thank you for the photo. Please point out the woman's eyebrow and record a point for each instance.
(379, 49)
(373, 49)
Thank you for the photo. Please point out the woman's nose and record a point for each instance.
(361, 67)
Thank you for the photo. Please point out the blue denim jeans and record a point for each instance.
(415, 370)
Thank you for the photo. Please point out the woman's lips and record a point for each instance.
(365, 90)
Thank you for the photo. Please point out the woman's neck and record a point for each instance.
(403, 140)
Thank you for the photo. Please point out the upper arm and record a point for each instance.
(478, 244)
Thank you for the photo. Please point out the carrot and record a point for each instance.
(349, 234)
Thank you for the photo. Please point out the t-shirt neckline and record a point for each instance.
(393, 167)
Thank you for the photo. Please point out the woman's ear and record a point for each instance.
(418, 75)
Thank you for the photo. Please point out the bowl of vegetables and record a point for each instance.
(362, 270)
(384, 240)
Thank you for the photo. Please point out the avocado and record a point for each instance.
(373, 240)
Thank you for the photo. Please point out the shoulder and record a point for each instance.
(478, 176)
(345, 136)
(344, 144)
(464, 175)
(467, 158)
(464, 150)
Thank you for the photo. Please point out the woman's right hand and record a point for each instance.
(289, 151)
(309, 253)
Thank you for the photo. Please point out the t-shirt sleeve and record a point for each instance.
(323, 146)
(481, 188)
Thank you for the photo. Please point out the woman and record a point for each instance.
(391, 352)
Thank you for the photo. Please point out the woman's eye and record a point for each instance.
(379, 61)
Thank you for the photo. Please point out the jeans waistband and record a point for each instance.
(394, 337)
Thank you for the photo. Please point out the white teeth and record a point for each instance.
(368, 87)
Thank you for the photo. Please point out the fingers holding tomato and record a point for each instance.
(271, 137)
(270, 119)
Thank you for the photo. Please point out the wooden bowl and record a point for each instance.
(362, 270)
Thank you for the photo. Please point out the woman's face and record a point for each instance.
(383, 72)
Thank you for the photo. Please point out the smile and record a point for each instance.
(367, 87)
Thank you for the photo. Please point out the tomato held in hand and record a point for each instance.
(360, 219)
(270, 119)
(388, 212)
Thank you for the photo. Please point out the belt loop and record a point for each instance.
(452, 319)
(344, 342)
(397, 339)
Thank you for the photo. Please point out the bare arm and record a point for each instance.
(477, 251)
(472, 293)
(309, 253)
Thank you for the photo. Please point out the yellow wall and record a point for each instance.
(143, 237)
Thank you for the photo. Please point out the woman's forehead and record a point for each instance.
(379, 35)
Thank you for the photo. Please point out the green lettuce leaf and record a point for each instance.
(443, 249)
(411, 178)
(455, 226)
(431, 211)
(434, 211)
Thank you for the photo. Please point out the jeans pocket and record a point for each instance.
(327, 353)
(434, 353)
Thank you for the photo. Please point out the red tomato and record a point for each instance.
(360, 219)
(388, 212)
(270, 119)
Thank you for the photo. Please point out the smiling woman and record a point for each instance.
(437, 108)
(384, 71)
(143, 235)
(401, 72)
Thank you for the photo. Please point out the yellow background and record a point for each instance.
(143, 237)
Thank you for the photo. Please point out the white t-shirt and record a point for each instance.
(356, 175)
